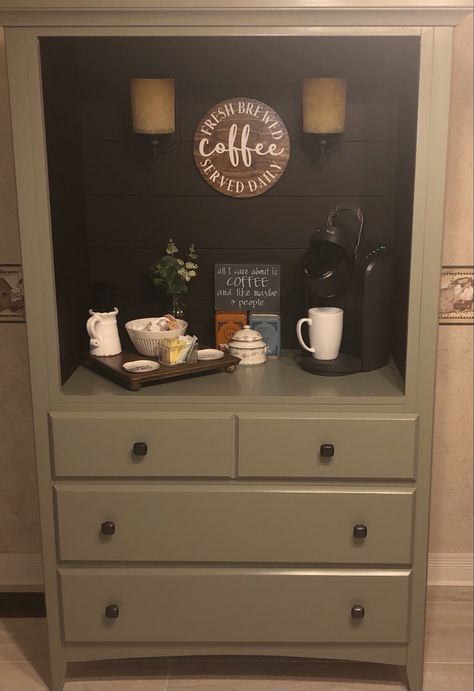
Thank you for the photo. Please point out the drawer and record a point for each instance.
(233, 605)
(205, 523)
(102, 445)
(285, 445)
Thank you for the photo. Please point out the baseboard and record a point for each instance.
(24, 572)
(450, 569)
(21, 572)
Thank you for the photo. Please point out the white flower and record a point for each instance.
(192, 273)
(182, 272)
(191, 265)
(181, 263)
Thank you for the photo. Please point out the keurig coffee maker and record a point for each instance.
(341, 271)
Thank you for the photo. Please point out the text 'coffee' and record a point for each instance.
(241, 147)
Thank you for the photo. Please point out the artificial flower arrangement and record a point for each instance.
(174, 273)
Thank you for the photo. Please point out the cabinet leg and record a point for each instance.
(58, 675)
(414, 676)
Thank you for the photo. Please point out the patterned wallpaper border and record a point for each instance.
(456, 297)
(12, 301)
(456, 300)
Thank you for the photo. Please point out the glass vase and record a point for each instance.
(177, 305)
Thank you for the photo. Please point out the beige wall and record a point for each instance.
(451, 516)
(452, 490)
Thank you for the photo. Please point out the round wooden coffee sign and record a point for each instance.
(241, 147)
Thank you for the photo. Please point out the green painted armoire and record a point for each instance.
(200, 516)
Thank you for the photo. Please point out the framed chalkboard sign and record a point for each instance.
(247, 287)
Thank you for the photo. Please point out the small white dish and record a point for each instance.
(140, 366)
(210, 354)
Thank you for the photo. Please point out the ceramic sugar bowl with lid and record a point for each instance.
(248, 345)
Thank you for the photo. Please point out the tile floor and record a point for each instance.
(449, 663)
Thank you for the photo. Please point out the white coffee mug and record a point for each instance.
(103, 333)
(325, 332)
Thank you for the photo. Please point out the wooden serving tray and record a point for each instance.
(111, 368)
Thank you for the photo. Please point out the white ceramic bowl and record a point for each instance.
(146, 342)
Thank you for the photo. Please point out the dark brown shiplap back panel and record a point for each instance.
(404, 216)
(134, 202)
(64, 151)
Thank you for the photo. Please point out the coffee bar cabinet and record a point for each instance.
(267, 511)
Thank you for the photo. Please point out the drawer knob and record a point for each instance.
(107, 528)
(357, 612)
(112, 612)
(326, 451)
(360, 531)
(140, 448)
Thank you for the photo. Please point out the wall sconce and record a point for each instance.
(153, 111)
(324, 110)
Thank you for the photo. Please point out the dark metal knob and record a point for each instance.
(140, 448)
(360, 531)
(112, 612)
(326, 451)
(357, 612)
(107, 528)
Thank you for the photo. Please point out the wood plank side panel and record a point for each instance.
(64, 151)
(403, 217)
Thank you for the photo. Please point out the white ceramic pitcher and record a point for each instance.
(103, 333)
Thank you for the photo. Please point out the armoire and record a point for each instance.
(202, 516)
